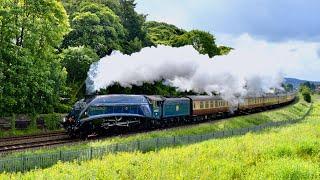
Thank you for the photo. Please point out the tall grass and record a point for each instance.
(291, 152)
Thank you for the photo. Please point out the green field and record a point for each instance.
(286, 113)
(282, 153)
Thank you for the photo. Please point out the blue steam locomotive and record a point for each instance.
(102, 113)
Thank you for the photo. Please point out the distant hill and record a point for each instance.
(296, 82)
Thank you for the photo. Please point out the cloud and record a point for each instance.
(318, 53)
(271, 20)
(294, 58)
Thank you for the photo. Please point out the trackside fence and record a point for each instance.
(29, 162)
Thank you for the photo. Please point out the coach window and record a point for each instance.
(201, 105)
(207, 104)
(194, 105)
(211, 104)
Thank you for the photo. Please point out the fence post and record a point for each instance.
(116, 150)
(157, 143)
(188, 139)
(23, 163)
(60, 155)
(91, 153)
(174, 140)
(138, 144)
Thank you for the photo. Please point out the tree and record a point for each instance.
(96, 26)
(77, 61)
(170, 35)
(288, 87)
(32, 79)
(310, 85)
(162, 33)
(224, 50)
(306, 93)
(136, 35)
(202, 41)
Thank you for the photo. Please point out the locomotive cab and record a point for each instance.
(156, 103)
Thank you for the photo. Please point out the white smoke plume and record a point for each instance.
(233, 76)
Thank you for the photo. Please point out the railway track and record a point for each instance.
(17, 138)
(23, 146)
(11, 144)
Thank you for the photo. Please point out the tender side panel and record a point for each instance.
(175, 107)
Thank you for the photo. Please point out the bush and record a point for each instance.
(306, 93)
(13, 122)
(33, 123)
(52, 121)
(307, 97)
(62, 108)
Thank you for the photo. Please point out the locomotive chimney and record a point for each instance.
(88, 97)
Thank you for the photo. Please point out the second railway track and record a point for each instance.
(33, 141)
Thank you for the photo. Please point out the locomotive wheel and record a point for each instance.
(83, 135)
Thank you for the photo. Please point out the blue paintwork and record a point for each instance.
(173, 107)
(117, 105)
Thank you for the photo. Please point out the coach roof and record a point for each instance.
(204, 98)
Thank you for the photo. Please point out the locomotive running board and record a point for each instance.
(112, 123)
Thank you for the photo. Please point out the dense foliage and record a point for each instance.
(167, 34)
(95, 26)
(32, 78)
(309, 85)
(47, 46)
(77, 61)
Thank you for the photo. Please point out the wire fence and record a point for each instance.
(29, 162)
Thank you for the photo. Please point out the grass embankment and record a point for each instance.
(291, 152)
(285, 113)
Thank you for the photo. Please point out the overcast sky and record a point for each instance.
(291, 27)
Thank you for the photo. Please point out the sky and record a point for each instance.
(288, 30)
